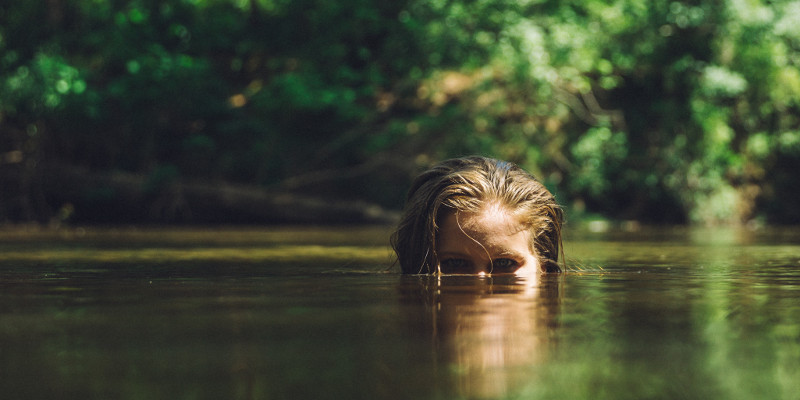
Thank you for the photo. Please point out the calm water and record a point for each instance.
(312, 314)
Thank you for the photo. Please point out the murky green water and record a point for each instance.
(311, 314)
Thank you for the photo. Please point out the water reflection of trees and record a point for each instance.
(489, 335)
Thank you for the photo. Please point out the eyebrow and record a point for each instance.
(504, 253)
(493, 256)
(443, 254)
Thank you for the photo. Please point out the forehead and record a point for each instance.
(492, 219)
(492, 226)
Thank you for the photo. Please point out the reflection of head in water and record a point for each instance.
(462, 193)
(490, 334)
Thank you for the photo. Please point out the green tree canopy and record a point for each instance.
(659, 111)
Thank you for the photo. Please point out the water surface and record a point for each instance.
(297, 313)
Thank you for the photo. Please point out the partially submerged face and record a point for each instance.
(491, 241)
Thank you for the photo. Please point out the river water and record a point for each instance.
(313, 313)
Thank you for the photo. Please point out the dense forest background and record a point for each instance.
(315, 110)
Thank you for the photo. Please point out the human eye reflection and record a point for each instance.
(463, 266)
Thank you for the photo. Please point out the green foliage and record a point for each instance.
(40, 86)
(662, 111)
(598, 154)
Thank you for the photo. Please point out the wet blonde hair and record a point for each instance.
(469, 184)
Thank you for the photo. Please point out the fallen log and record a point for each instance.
(127, 197)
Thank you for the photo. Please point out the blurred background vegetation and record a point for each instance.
(265, 110)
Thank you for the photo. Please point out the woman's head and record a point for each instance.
(475, 202)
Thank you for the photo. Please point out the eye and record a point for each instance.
(504, 266)
(455, 266)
